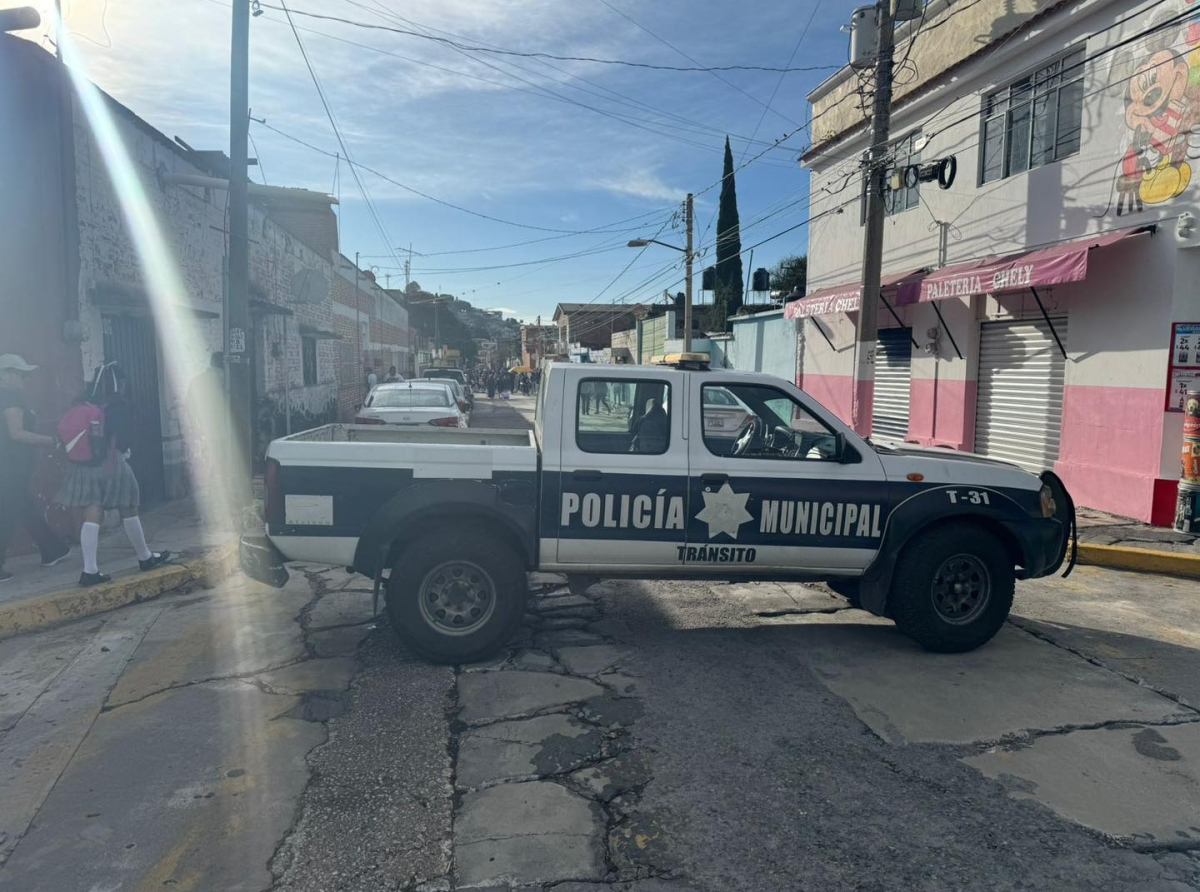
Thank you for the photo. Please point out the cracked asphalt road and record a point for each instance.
(649, 737)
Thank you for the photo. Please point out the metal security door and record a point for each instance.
(130, 341)
(893, 364)
(1019, 408)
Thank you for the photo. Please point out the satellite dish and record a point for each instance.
(309, 285)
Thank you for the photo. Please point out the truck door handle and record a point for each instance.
(714, 479)
(587, 475)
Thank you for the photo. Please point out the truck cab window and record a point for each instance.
(756, 421)
(615, 415)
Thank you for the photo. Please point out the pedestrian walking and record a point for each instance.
(372, 379)
(18, 453)
(585, 397)
(95, 434)
(392, 376)
(491, 385)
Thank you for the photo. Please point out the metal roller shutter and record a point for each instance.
(1018, 415)
(893, 363)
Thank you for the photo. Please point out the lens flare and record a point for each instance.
(214, 464)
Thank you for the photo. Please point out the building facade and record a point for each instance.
(77, 294)
(1037, 309)
(372, 326)
(592, 325)
(538, 344)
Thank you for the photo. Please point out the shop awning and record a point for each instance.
(1065, 262)
(848, 298)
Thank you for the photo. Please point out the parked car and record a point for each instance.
(447, 523)
(457, 374)
(412, 403)
(724, 413)
(460, 393)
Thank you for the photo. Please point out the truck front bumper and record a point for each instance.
(1043, 545)
(261, 560)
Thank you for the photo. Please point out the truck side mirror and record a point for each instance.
(844, 453)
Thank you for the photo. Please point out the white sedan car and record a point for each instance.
(460, 393)
(724, 413)
(412, 403)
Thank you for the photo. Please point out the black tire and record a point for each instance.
(457, 565)
(952, 588)
(847, 588)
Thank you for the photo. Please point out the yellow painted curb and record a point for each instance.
(1144, 560)
(52, 608)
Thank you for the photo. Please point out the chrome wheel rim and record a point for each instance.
(456, 598)
(961, 589)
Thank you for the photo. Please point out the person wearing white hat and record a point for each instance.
(18, 452)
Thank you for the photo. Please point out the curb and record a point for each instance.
(49, 609)
(1143, 560)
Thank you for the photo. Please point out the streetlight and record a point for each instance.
(689, 256)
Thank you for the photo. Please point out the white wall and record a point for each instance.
(764, 342)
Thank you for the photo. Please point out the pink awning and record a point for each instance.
(1066, 262)
(848, 298)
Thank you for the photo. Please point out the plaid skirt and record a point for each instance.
(111, 485)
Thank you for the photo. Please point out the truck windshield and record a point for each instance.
(409, 399)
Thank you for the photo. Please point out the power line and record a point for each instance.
(1103, 51)
(672, 46)
(538, 55)
(586, 252)
(337, 131)
(810, 219)
(536, 90)
(536, 241)
(782, 74)
(386, 13)
(356, 165)
(541, 90)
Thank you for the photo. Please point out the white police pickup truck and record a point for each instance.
(657, 472)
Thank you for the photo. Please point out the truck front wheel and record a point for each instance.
(456, 597)
(953, 588)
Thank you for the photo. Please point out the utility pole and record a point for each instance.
(687, 299)
(238, 366)
(875, 171)
(358, 320)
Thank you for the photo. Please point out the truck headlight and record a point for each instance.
(1046, 495)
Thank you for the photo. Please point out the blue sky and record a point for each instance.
(504, 137)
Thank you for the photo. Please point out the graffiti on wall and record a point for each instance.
(1158, 79)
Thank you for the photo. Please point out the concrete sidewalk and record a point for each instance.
(37, 597)
(1107, 540)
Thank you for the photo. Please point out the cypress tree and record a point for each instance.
(728, 293)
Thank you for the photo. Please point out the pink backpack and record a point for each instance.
(81, 423)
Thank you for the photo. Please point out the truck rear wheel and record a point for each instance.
(456, 597)
(953, 588)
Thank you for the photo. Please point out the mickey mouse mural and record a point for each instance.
(1159, 80)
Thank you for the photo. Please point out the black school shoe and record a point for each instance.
(156, 558)
(89, 579)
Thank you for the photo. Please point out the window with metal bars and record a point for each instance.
(1034, 121)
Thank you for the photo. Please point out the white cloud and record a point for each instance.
(639, 183)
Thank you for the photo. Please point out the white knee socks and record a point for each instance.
(89, 541)
(137, 537)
